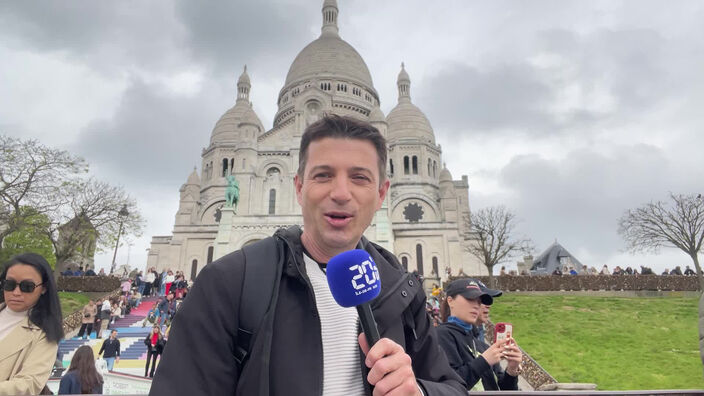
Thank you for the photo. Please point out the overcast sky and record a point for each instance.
(567, 112)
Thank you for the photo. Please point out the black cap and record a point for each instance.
(491, 292)
(468, 288)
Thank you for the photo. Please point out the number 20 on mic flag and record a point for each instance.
(353, 278)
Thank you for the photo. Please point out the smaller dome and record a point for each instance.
(403, 75)
(406, 120)
(445, 175)
(377, 115)
(193, 178)
(228, 126)
(244, 77)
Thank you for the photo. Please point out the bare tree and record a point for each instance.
(493, 230)
(91, 219)
(32, 175)
(678, 223)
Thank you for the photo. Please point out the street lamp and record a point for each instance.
(121, 214)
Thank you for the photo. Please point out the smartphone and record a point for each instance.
(502, 331)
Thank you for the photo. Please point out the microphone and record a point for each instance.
(354, 281)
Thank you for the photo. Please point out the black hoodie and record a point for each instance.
(458, 345)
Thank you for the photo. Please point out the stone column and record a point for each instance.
(222, 240)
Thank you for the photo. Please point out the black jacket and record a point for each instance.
(457, 342)
(207, 326)
(158, 348)
(110, 347)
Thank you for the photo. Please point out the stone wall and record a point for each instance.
(87, 283)
(594, 282)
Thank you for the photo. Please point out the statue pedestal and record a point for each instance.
(222, 240)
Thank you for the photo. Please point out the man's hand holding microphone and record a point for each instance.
(354, 281)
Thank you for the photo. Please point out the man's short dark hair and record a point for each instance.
(342, 127)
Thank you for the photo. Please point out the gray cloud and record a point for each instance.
(153, 139)
(461, 97)
(578, 199)
(569, 83)
(225, 33)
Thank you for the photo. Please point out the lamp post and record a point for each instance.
(121, 214)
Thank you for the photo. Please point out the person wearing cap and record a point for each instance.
(483, 318)
(475, 361)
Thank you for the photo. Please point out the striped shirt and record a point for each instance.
(342, 374)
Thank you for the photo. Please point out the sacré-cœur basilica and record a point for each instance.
(423, 220)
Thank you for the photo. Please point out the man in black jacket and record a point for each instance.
(111, 350)
(340, 185)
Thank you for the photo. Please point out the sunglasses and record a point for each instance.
(26, 286)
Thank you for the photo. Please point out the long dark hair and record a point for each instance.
(84, 362)
(46, 313)
(444, 309)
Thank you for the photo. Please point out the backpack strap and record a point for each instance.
(263, 263)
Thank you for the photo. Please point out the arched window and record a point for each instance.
(272, 201)
(405, 165)
(430, 165)
(244, 163)
(415, 165)
(404, 262)
(224, 167)
(232, 165)
(435, 169)
(419, 258)
(210, 255)
(391, 167)
(435, 265)
(194, 269)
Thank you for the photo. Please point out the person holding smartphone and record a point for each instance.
(472, 358)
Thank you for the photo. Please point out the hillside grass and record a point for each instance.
(617, 343)
(71, 302)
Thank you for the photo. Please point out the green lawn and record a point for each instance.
(71, 302)
(617, 343)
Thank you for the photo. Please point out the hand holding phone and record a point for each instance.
(503, 331)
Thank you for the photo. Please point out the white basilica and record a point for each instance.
(423, 218)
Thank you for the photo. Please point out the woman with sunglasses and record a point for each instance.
(30, 325)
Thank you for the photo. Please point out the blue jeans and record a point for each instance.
(162, 318)
(110, 362)
(141, 288)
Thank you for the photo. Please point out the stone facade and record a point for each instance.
(421, 221)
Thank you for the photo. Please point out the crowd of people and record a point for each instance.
(79, 272)
(620, 271)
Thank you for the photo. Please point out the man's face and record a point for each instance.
(483, 314)
(339, 193)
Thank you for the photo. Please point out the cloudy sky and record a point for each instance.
(568, 112)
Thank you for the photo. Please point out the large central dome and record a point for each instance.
(329, 56)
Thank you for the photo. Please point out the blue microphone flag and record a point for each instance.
(353, 278)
